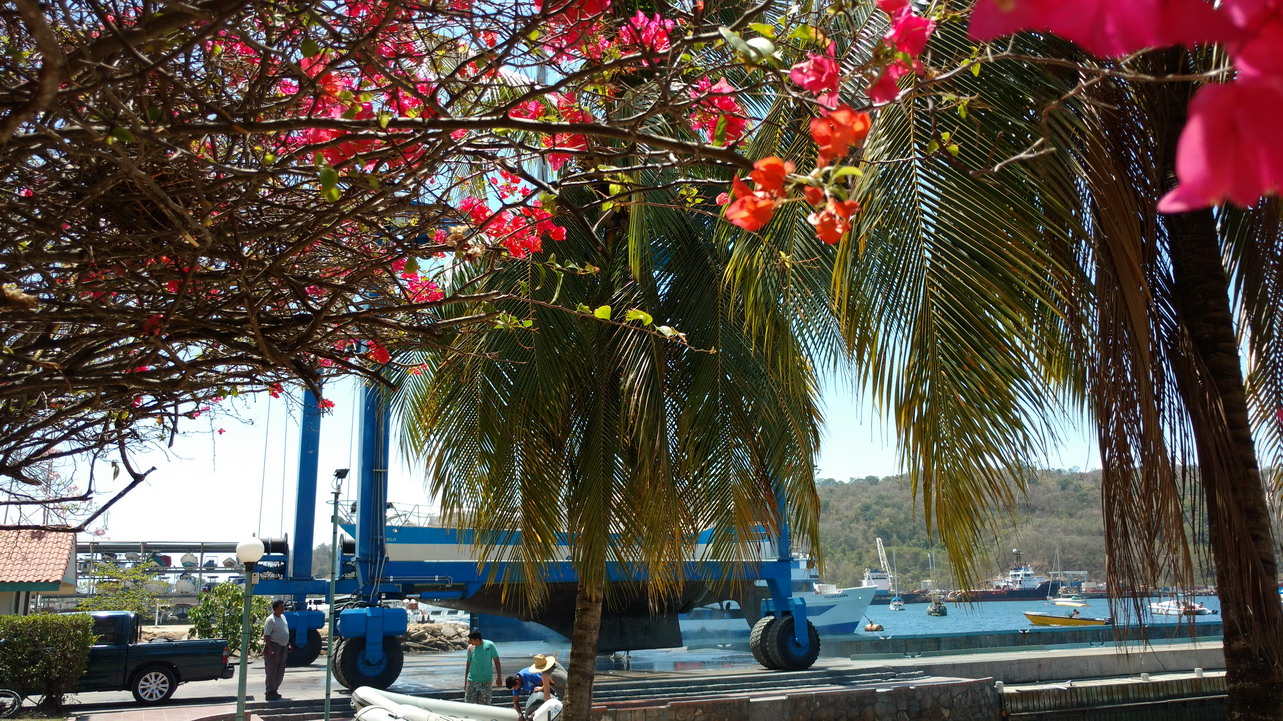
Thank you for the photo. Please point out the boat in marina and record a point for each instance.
(833, 610)
(937, 607)
(1019, 584)
(1039, 618)
(1179, 607)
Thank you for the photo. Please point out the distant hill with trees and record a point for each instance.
(1060, 517)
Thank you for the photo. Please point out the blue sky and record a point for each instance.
(228, 486)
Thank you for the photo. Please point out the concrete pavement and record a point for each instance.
(435, 673)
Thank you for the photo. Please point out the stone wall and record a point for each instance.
(955, 701)
(877, 646)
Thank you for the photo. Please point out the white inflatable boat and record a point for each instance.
(372, 704)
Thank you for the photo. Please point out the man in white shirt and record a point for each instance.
(276, 646)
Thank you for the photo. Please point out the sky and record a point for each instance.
(228, 486)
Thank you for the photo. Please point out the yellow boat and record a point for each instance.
(1051, 619)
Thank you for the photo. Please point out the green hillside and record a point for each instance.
(1059, 517)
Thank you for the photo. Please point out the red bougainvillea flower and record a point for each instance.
(749, 210)
(819, 74)
(834, 221)
(838, 130)
(1224, 151)
(378, 352)
(1104, 27)
(813, 195)
(769, 175)
(715, 105)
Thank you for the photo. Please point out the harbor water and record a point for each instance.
(997, 616)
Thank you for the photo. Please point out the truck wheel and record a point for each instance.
(352, 670)
(305, 655)
(757, 642)
(153, 684)
(786, 651)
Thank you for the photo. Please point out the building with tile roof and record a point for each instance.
(35, 562)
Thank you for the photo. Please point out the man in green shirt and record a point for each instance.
(478, 681)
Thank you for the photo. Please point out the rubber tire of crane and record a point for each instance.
(784, 649)
(757, 642)
(352, 671)
(305, 655)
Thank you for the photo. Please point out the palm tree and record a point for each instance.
(590, 430)
(1009, 265)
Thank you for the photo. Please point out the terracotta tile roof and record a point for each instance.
(35, 556)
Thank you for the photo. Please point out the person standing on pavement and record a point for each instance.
(276, 646)
(477, 678)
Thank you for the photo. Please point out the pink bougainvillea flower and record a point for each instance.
(528, 110)
(749, 210)
(909, 33)
(887, 87)
(838, 130)
(643, 34)
(1258, 47)
(1225, 152)
(715, 105)
(1107, 28)
(895, 7)
(819, 74)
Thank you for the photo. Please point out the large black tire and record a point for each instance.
(352, 671)
(153, 684)
(785, 650)
(338, 672)
(305, 655)
(757, 642)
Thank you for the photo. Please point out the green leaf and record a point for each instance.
(581, 308)
(975, 70)
(330, 184)
(311, 48)
(122, 134)
(846, 170)
(602, 311)
(736, 41)
(719, 133)
(764, 29)
(385, 117)
(641, 315)
(411, 265)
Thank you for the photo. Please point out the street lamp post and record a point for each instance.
(248, 552)
(336, 564)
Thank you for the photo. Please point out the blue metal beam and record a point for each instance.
(305, 501)
(372, 493)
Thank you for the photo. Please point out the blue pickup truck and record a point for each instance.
(118, 662)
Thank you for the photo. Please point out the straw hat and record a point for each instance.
(543, 663)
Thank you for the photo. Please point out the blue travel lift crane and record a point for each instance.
(367, 648)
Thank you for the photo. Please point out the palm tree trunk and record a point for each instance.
(1211, 385)
(583, 650)
(1238, 518)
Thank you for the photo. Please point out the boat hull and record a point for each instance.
(1051, 619)
(841, 612)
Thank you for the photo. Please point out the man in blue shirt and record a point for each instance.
(536, 680)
